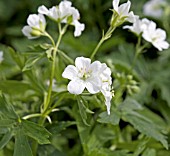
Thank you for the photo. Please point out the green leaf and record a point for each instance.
(165, 109)
(142, 120)
(147, 128)
(50, 150)
(107, 152)
(6, 123)
(19, 59)
(113, 118)
(83, 110)
(31, 61)
(83, 129)
(56, 128)
(99, 136)
(22, 147)
(49, 53)
(141, 146)
(5, 139)
(149, 152)
(14, 88)
(6, 109)
(36, 132)
(130, 105)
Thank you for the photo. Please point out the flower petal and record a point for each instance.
(160, 45)
(108, 103)
(26, 30)
(70, 72)
(161, 34)
(33, 20)
(131, 17)
(78, 28)
(93, 84)
(124, 9)
(115, 4)
(82, 62)
(43, 10)
(96, 67)
(42, 19)
(76, 86)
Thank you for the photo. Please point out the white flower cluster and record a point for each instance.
(95, 77)
(149, 32)
(1, 56)
(63, 13)
(154, 8)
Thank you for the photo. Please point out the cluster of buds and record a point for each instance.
(130, 85)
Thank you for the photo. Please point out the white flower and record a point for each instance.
(1, 56)
(64, 13)
(67, 10)
(123, 10)
(138, 26)
(95, 77)
(149, 32)
(83, 75)
(155, 36)
(36, 26)
(154, 8)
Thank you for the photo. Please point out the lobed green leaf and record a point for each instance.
(22, 147)
(35, 131)
(5, 139)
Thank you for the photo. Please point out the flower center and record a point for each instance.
(84, 73)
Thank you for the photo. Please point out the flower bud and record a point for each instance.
(135, 89)
(36, 32)
(132, 82)
(129, 77)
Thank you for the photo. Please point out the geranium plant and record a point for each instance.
(84, 104)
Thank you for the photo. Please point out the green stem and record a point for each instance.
(53, 69)
(56, 104)
(66, 57)
(104, 37)
(137, 52)
(48, 99)
(51, 39)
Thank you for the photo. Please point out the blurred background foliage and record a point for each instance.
(152, 71)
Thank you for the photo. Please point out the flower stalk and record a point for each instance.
(104, 38)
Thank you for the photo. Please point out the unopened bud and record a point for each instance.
(36, 32)
(135, 89)
(129, 77)
(118, 75)
(132, 82)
